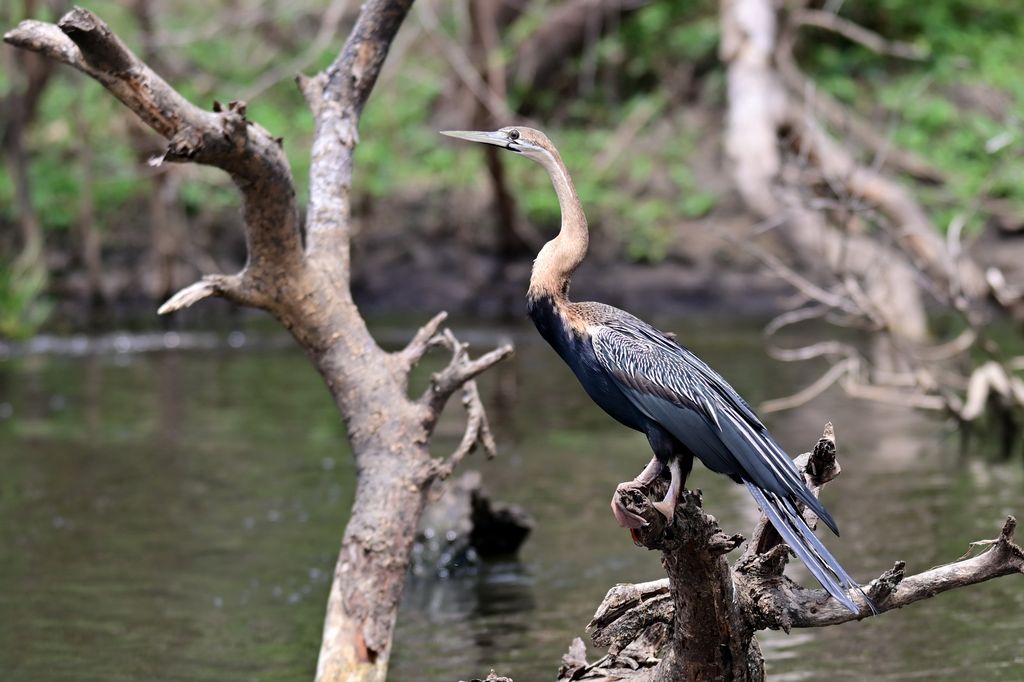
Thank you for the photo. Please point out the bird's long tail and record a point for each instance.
(794, 530)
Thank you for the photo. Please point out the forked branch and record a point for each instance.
(459, 371)
(422, 341)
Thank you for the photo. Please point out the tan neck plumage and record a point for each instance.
(554, 265)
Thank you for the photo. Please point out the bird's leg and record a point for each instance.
(667, 506)
(626, 518)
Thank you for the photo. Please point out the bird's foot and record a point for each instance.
(624, 517)
(666, 508)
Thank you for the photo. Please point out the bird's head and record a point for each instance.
(526, 141)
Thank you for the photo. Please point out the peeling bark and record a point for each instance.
(306, 287)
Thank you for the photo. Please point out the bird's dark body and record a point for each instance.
(577, 351)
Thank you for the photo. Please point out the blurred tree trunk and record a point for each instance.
(87, 232)
(167, 221)
(485, 53)
(300, 275)
(29, 74)
(761, 122)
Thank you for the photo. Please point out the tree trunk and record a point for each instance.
(485, 51)
(372, 565)
(712, 640)
(304, 284)
(87, 232)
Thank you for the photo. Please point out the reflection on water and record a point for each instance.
(175, 515)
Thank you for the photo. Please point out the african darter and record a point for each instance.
(648, 382)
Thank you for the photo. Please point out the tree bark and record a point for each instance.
(305, 285)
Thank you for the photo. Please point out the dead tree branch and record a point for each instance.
(700, 622)
(423, 340)
(460, 369)
(478, 433)
(222, 138)
(306, 287)
(803, 608)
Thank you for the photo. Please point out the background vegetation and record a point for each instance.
(636, 112)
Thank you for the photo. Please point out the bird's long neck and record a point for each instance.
(554, 265)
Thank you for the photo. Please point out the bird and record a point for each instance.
(644, 379)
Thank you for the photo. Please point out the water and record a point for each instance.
(175, 515)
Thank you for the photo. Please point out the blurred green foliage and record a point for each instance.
(961, 108)
(618, 112)
(23, 304)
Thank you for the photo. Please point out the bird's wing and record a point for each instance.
(675, 388)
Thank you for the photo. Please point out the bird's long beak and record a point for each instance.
(495, 138)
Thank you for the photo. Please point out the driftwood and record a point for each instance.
(700, 622)
(299, 273)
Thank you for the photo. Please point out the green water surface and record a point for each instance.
(175, 516)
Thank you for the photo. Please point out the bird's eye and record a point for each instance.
(513, 134)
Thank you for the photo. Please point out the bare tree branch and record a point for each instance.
(422, 341)
(812, 390)
(807, 608)
(211, 285)
(459, 370)
(478, 432)
(223, 138)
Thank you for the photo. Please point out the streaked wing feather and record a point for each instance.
(694, 403)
